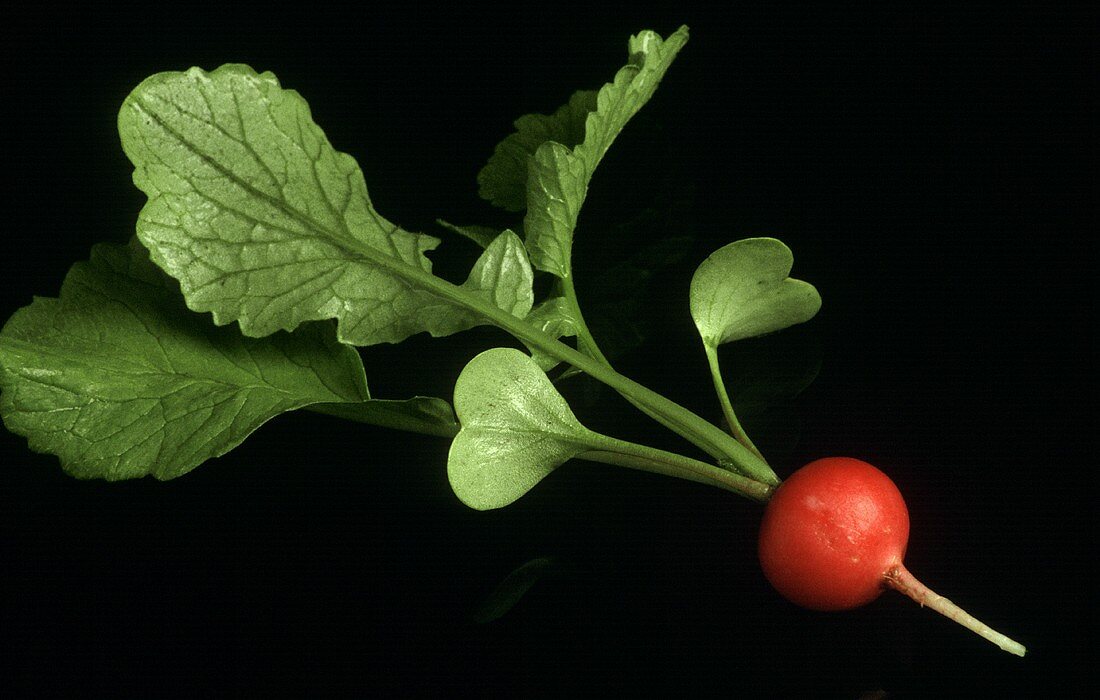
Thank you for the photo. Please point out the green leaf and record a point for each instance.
(743, 290)
(633, 86)
(557, 187)
(516, 429)
(263, 222)
(503, 180)
(120, 380)
(503, 276)
(558, 176)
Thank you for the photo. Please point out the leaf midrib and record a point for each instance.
(361, 252)
(44, 351)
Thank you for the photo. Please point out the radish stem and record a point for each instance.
(901, 580)
(724, 399)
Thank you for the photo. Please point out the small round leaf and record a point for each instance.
(743, 290)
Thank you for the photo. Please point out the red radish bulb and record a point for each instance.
(833, 538)
(831, 531)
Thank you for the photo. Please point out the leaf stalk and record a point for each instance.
(724, 399)
(710, 438)
(633, 456)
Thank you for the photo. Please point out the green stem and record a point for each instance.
(724, 400)
(709, 438)
(374, 412)
(713, 440)
(628, 454)
(586, 342)
(584, 334)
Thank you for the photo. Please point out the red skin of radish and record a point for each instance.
(832, 532)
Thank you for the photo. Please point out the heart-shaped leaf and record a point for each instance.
(743, 290)
(516, 429)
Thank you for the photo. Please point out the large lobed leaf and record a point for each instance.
(120, 380)
(561, 152)
(264, 223)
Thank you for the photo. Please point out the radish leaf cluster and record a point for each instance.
(260, 263)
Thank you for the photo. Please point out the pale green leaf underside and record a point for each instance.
(502, 275)
(558, 174)
(743, 290)
(118, 379)
(557, 185)
(516, 429)
(633, 86)
(263, 222)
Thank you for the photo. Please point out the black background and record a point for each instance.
(927, 167)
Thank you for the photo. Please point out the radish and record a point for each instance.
(833, 537)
